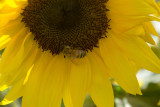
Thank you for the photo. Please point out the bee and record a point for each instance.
(73, 53)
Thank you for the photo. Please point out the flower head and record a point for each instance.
(66, 49)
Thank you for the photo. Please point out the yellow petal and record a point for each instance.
(10, 11)
(66, 94)
(4, 41)
(13, 47)
(16, 90)
(14, 93)
(148, 38)
(120, 67)
(143, 32)
(150, 28)
(11, 72)
(101, 88)
(5, 18)
(45, 85)
(79, 81)
(127, 14)
(11, 3)
(33, 83)
(12, 28)
(138, 51)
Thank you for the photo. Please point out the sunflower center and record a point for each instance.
(75, 24)
(64, 15)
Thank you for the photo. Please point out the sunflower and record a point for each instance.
(66, 49)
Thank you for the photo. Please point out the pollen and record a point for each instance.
(56, 24)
